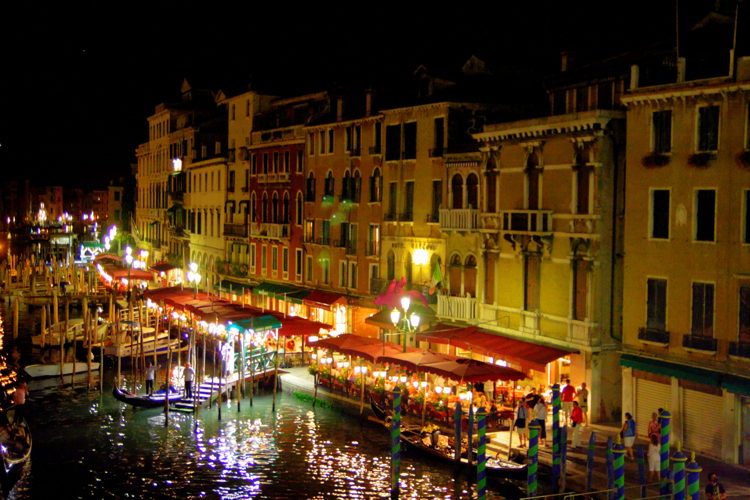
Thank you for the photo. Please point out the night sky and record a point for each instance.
(78, 79)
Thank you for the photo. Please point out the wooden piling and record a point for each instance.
(43, 327)
(275, 371)
(15, 317)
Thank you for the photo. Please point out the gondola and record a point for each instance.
(155, 400)
(15, 442)
(412, 438)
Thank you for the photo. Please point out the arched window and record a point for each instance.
(457, 192)
(532, 182)
(329, 186)
(454, 274)
(253, 208)
(472, 194)
(470, 276)
(264, 208)
(298, 209)
(310, 188)
(376, 186)
(275, 208)
(391, 266)
(356, 187)
(346, 186)
(285, 209)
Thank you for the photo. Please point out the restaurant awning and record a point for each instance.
(133, 274)
(472, 370)
(231, 286)
(279, 291)
(293, 325)
(323, 299)
(107, 256)
(527, 354)
(163, 266)
(381, 319)
(259, 323)
(368, 348)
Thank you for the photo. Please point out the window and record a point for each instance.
(583, 181)
(329, 185)
(230, 183)
(376, 186)
(531, 282)
(234, 109)
(580, 288)
(392, 200)
(275, 162)
(298, 209)
(117, 195)
(373, 240)
(437, 200)
(744, 320)
(274, 259)
(344, 234)
(376, 139)
(708, 128)
(310, 230)
(286, 162)
(582, 94)
(298, 264)
(439, 137)
(656, 304)
(346, 186)
(374, 276)
(390, 266)
(558, 103)
(705, 209)
(322, 140)
(263, 258)
(351, 242)
(659, 214)
(352, 275)
(604, 95)
(309, 268)
(254, 164)
(356, 139)
(662, 131)
(299, 162)
(325, 270)
(253, 257)
(247, 107)
(330, 140)
(356, 186)
(703, 310)
(285, 260)
(310, 188)
(265, 163)
(343, 274)
(311, 143)
(746, 213)
(325, 238)
(409, 201)
(392, 142)
(410, 140)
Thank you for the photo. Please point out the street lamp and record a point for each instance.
(129, 261)
(194, 277)
(405, 322)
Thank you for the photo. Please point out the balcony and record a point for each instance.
(531, 222)
(463, 308)
(269, 230)
(458, 219)
(235, 230)
(699, 343)
(407, 216)
(390, 216)
(653, 336)
(273, 177)
(351, 248)
(739, 349)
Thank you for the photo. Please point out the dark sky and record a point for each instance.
(78, 79)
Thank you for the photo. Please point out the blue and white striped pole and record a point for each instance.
(396, 442)
(533, 485)
(481, 454)
(470, 437)
(619, 470)
(556, 404)
(678, 473)
(666, 419)
(693, 479)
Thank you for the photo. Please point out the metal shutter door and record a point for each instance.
(703, 422)
(650, 396)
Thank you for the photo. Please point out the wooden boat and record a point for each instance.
(155, 400)
(15, 441)
(412, 438)
(160, 343)
(53, 369)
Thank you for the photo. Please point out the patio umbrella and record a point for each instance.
(414, 360)
(471, 370)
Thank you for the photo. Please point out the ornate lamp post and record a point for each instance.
(194, 277)
(404, 321)
(129, 261)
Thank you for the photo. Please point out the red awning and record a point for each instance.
(472, 370)
(163, 266)
(471, 338)
(134, 274)
(294, 325)
(319, 298)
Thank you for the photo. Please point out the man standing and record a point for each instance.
(714, 489)
(568, 395)
(582, 396)
(188, 374)
(576, 418)
(150, 376)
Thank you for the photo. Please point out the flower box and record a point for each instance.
(700, 160)
(655, 160)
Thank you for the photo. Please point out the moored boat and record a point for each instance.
(154, 400)
(161, 343)
(15, 441)
(53, 369)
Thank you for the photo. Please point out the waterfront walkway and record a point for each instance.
(735, 479)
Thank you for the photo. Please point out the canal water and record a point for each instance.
(88, 445)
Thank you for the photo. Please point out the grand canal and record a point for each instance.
(88, 445)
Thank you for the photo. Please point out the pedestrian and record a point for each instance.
(567, 396)
(714, 489)
(576, 418)
(19, 401)
(540, 419)
(654, 458)
(582, 396)
(150, 376)
(188, 374)
(522, 418)
(628, 435)
(654, 428)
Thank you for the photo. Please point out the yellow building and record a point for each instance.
(686, 316)
(547, 270)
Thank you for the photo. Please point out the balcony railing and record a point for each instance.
(537, 222)
(408, 216)
(653, 335)
(390, 216)
(269, 230)
(459, 219)
(464, 308)
(739, 349)
(699, 342)
(235, 230)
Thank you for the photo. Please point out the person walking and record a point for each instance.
(522, 418)
(654, 428)
(714, 489)
(654, 458)
(540, 419)
(567, 396)
(576, 419)
(628, 435)
(150, 376)
(188, 374)
(582, 396)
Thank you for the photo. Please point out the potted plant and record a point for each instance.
(700, 160)
(654, 160)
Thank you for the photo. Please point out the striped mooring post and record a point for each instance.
(556, 405)
(396, 442)
(678, 473)
(457, 416)
(610, 466)
(469, 435)
(642, 469)
(693, 479)
(618, 469)
(532, 483)
(563, 456)
(590, 460)
(664, 485)
(482, 454)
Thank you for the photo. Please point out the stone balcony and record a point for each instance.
(461, 308)
(459, 219)
(269, 230)
(239, 230)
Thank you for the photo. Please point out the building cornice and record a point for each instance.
(539, 128)
(671, 93)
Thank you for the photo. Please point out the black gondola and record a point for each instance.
(155, 400)
(412, 437)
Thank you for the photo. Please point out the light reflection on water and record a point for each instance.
(91, 446)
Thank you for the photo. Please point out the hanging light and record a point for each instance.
(395, 316)
(405, 303)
